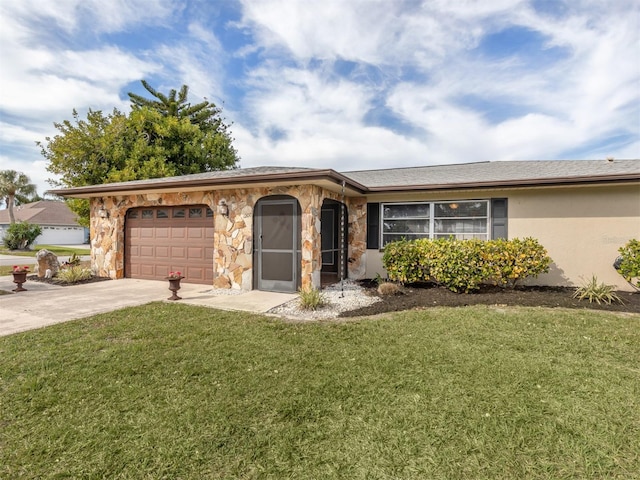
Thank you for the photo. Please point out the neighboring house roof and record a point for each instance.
(439, 177)
(44, 212)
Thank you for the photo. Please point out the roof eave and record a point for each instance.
(511, 184)
(115, 188)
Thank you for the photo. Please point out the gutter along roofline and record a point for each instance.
(226, 181)
(533, 182)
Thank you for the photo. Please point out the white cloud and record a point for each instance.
(102, 16)
(36, 170)
(295, 101)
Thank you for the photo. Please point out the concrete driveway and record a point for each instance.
(43, 304)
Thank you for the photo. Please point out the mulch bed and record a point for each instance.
(55, 281)
(420, 296)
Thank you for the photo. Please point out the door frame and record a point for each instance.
(273, 285)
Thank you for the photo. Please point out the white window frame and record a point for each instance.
(431, 220)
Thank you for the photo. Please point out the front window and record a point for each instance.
(458, 219)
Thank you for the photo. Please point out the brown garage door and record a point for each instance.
(159, 240)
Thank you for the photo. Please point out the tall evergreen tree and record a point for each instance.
(204, 114)
(158, 138)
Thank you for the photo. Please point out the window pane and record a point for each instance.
(195, 213)
(463, 236)
(132, 214)
(209, 213)
(461, 209)
(478, 225)
(147, 213)
(406, 226)
(178, 213)
(410, 210)
(162, 213)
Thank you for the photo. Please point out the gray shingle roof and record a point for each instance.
(237, 173)
(468, 175)
(507, 172)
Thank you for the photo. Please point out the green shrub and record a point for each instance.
(597, 292)
(74, 274)
(458, 264)
(311, 298)
(463, 265)
(403, 261)
(509, 261)
(629, 262)
(20, 235)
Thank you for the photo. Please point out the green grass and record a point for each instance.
(173, 391)
(57, 249)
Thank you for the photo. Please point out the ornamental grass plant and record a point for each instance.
(598, 292)
(311, 298)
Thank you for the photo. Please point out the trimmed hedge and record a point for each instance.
(463, 265)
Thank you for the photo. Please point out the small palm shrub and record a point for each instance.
(74, 274)
(20, 235)
(311, 298)
(597, 292)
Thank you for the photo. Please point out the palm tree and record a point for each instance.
(15, 185)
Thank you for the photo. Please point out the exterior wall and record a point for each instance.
(581, 227)
(233, 234)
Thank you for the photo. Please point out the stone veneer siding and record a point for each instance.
(233, 235)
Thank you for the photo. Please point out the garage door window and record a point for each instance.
(162, 213)
(178, 213)
(195, 213)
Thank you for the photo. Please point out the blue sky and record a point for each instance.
(348, 85)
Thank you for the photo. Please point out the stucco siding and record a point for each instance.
(581, 227)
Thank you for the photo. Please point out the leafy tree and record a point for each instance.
(158, 138)
(15, 185)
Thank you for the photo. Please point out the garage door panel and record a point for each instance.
(195, 252)
(195, 233)
(198, 273)
(162, 232)
(147, 251)
(147, 269)
(146, 232)
(178, 233)
(162, 242)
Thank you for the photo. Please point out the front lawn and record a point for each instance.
(174, 391)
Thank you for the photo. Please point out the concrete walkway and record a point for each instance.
(44, 304)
